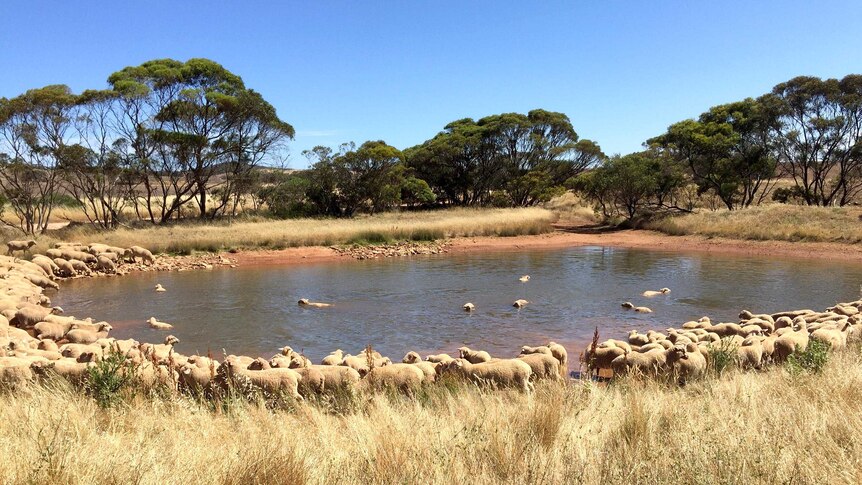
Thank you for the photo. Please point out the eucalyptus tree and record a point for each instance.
(34, 130)
(728, 150)
(183, 123)
(819, 136)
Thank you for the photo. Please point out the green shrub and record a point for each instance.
(812, 361)
(109, 378)
(722, 356)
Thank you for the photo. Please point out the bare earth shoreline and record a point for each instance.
(566, 237)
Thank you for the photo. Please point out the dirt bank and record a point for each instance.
(566, 237)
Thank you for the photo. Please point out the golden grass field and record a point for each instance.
(770, 222)
(765, 427)
(419, 226)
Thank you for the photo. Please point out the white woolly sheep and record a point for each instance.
(474, 356)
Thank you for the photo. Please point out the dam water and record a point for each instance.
(397, 305)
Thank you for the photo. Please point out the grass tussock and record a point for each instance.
(777, 426)
(770, 222)
(277, 234)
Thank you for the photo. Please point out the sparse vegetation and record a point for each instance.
(770, 222)
(267, 233)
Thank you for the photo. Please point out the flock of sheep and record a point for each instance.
(36, 340)
(756, 340)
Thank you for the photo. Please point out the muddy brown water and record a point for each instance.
(402, 304)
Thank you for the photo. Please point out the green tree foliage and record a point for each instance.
(630, 185)
(819, 136)
(183, 123)
(527, 157)
(369, 178)
(34, 128)
(727, 150)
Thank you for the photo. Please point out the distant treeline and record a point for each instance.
(170, 139)
(807, 130)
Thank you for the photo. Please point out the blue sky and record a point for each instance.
(401, 70)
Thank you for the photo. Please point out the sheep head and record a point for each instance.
(463, 351)
(171, 340)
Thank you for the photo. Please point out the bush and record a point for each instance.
(723, 356)
(812, 361)
(109, 378)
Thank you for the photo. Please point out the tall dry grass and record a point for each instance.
(768, 427)
(770, 222)
(417, 226)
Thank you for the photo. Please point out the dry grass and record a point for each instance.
(770, 222)
(417, 226)
(768, 427)
(572, 208)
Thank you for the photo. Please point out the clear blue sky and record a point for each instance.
(400, 70)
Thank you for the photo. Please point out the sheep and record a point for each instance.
(160, 288)
(105, 265)
(474, 356)
(87, 336)
(616, 343)
(82, 352)
(504, 372)
(334, 358)
(143, 253)
(75, 372)
(602, 357)
(791, 342)
(837, 339)
(438, 358)
(359, 364)
(652, 293)
(261, 364)
(42, 282)
(22, 246)
(312, 381)
(648, 362)
(429, 368)
(80, 266)
(469, 307)
(524, 279)
(47, 264)
(20, 347)
(160, 352)
(686, 361)
(338, 377)
(405, 377)
(313, 304)
(562, 355)
(296, 359)
(66, 268)
(29, 315)
(15, 371)
(643, 309)
(726, 329)
(271, 381)
(152, 375)
(636, 338)
(520, 303)
(159, 325)
(543, 366)
(627, 305)
(54, 253)
(197, 373)
(750, 353)
(542, 349)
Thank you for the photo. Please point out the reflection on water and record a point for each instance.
(415, 304)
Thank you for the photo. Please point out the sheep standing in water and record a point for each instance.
(651, 293)
(159, 325)
(314, 304)
(469, 307)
